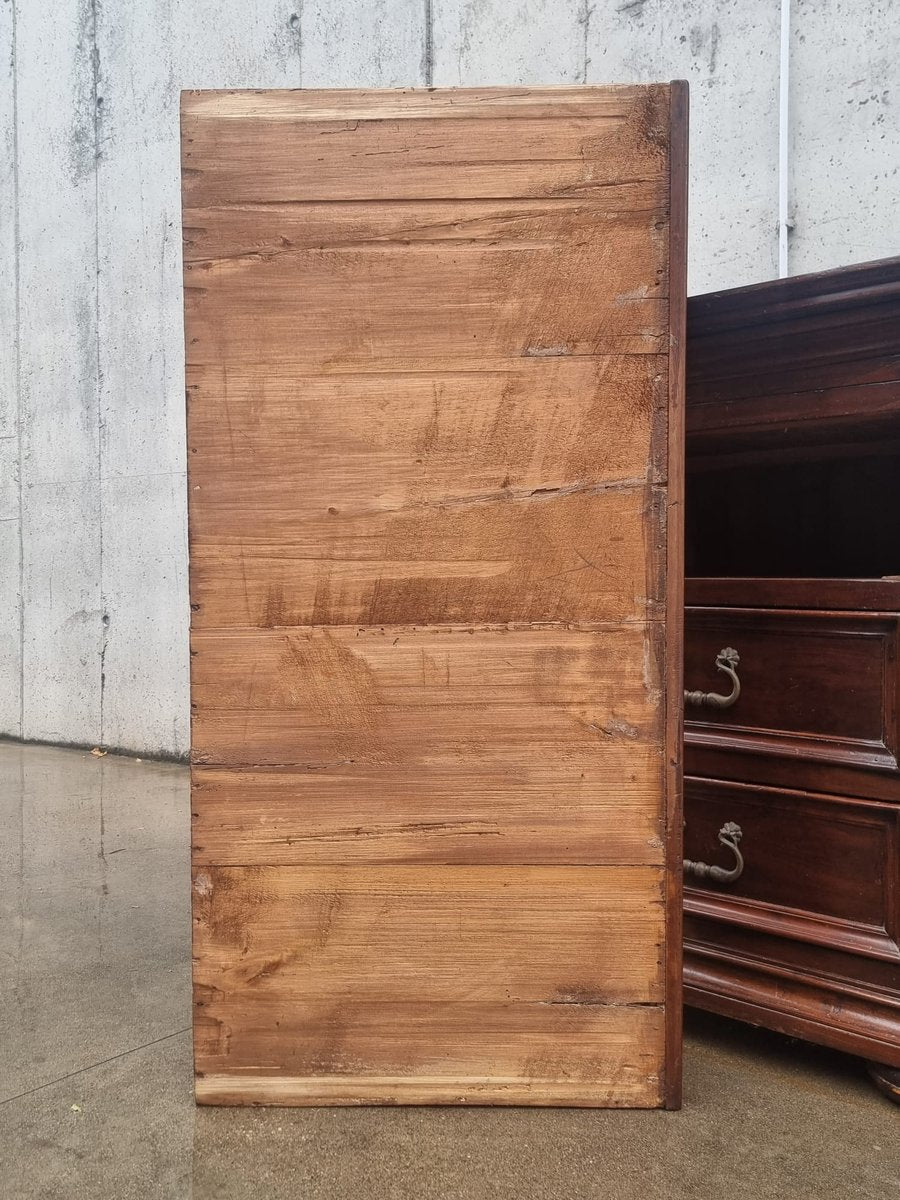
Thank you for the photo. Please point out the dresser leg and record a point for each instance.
(886, 1079)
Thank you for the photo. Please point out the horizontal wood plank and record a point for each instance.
(615, 101)
(403, 497)
(245, 147)
(318, 696)
(487, 933)
(432, 434)
(223, 239)
(386, 497)
(280, 995)
(581, 557)
(396, 304)
(472, 1052)
(596, 807)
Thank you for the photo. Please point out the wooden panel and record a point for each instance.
(793, 454)
(281, 992)
(447, 744)
(850, 595)
(491, 505)
(841, 862)
(475, 249)
(488, 935)
(378, 695)
(674, 588)
(434, 583)
(452, 745)
(602, 809)
(796, 361)
(816, 685)
(246, 306)
(802, 1004)
(278, 147)
(582, 556)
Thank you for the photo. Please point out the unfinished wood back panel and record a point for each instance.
(434, 404)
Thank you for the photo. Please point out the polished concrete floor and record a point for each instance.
(95, 1074)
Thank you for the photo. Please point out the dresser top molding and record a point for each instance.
(805, 364)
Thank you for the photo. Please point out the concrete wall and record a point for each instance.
(93, 575)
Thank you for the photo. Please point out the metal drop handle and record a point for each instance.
(729, 836)
(726, 660)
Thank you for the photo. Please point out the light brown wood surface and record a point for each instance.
(494, 1007)
(433, 542)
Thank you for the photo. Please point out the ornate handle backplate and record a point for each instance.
(729, 836)
(726, 660)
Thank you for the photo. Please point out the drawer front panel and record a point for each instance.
(818, 686)
(816, 868)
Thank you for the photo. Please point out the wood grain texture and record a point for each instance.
(424, 145)
(817, 656)
(497, 808)
(792, 459)
(428, 345)
(313, 696)
(493, 503)
(494, 1018)
(837, 874)
(457, 745)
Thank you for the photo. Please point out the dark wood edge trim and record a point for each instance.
(740, 451)
(716, 988)
(801, 296)
(794, 976)
(782, 771)
(794, 924)
(795, 746)
(830, 595)
(752, 611)
(678, 198)
(805, 410)
(847, 803)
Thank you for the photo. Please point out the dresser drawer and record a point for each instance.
(820, 869)
(816, 687)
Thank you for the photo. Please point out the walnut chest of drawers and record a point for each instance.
(792, 785)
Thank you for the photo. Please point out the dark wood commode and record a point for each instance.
(792, 787)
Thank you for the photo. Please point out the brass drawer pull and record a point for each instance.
(726, 660)
(729, 836)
